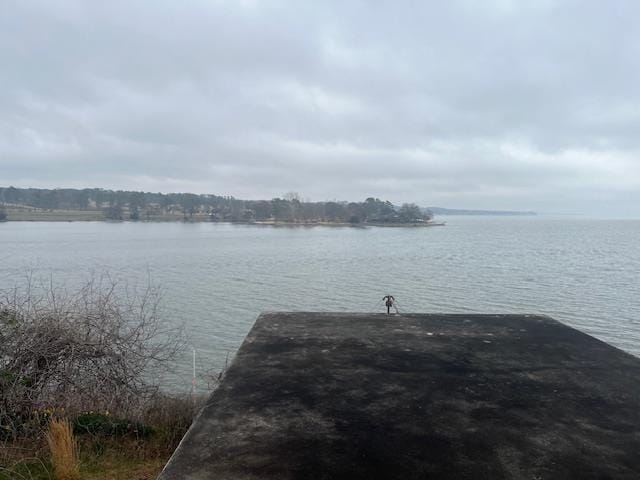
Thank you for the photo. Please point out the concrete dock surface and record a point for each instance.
(417, 396)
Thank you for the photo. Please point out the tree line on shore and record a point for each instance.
(133, 205)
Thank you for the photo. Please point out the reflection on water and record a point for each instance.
(218, 277)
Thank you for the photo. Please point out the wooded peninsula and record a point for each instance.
(93, 204)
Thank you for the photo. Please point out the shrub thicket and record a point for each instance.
(91, 350)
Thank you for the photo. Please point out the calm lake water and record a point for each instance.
(217, 278)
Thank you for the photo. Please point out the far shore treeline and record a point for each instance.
(97, 203)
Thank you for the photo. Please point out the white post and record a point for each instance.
(193, 379)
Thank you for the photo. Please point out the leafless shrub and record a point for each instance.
(96, 348)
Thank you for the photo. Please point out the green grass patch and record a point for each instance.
(29, 468)
(102, 424)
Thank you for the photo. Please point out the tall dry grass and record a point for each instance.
(64, 450)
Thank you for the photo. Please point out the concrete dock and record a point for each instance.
(368, 396)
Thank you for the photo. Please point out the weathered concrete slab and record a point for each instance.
(362, 396)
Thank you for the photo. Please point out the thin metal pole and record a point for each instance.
(193, 379)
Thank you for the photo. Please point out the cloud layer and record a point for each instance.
(493, 104)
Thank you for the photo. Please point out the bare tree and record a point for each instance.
(98, 347)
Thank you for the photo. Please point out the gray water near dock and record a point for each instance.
(216, 278)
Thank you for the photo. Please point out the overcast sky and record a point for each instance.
(472, 104)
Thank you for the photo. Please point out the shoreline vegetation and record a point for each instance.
(67, 205)
(79, 382)
(38, 215)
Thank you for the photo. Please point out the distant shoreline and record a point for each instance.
(19, 215)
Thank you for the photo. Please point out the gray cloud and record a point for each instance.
(495, 104)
